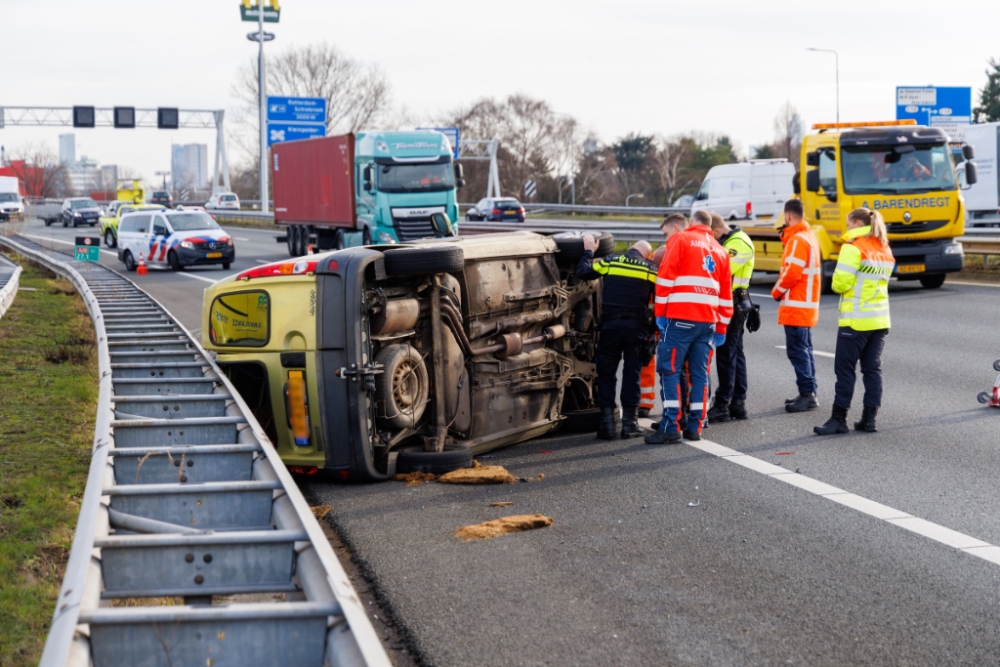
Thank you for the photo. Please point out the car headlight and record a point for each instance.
(230, 242)
(385, 237)
(954, 249)
(187, 244)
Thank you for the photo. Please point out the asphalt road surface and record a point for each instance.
(761, 545)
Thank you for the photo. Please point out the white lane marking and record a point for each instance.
(191, 275)
(816, 352)
(263, 261)
(49, 238)
(763, 296)
(239, 238)
(933, 531)
(970, 284)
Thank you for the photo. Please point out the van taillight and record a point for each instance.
(298, 417)
(294, 267)
(749, 210)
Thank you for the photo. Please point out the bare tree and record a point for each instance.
(788, 131)
(670, 164)
(357, 94)
(38, 168)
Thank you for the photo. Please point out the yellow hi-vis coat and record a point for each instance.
(740, 249)
(862, 281)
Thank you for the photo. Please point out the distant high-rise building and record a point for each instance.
(84, 176)
(67, 148)
(189, 165)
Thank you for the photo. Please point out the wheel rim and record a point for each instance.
(405, 387)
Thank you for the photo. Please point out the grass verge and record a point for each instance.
(48, 400)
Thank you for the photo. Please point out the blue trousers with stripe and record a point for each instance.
(692, 341)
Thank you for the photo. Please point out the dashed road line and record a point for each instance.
(932, 531)
(816, 352)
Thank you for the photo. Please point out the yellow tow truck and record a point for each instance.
(903, 170)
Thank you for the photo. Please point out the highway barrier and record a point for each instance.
(10, 275)
(183, 501)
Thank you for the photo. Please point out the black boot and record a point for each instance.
(837, 423)
(630, 424)
(644, 412)
(658, 437)
(802, 403)
(738, 409)
(719, 411)
(608, 430)
(867, 421)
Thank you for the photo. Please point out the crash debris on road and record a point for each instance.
(504, 526)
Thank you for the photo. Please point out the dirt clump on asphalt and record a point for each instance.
(320, 511)
(415, 478)
(502, 503)
(504, 526)
(478, 474)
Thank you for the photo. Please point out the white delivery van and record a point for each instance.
(982, 198)
(11, 204)
(754, 190)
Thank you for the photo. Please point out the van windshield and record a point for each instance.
(881, 169)
(187, 222)
(436, 177)
(9, 196)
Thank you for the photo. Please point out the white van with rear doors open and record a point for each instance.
(754, 190)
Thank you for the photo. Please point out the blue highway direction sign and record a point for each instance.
(296, 110)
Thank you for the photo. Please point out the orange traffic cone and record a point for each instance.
(309, 249)
(141, 269)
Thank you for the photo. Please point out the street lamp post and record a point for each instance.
(638, 195)
(836, 58)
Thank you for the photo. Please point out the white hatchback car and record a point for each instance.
(223, 200)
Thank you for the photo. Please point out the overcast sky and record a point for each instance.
(658, 67)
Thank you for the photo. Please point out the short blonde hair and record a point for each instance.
(717, 221)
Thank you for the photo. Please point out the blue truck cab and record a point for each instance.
(402, 179)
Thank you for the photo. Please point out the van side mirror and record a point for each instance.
(971, 175)
(812, 159)
(968, 152)
(812, 180)
(797, 183)
(366, 176)
(442, 224)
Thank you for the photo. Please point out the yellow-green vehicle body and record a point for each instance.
(903, 171)
(109, 223)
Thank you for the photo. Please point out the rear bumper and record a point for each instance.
(937, 256)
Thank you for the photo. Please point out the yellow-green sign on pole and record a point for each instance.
(250, 10)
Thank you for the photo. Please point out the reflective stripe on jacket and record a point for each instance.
(740, 249)
(862, 280)
(628, 283)
(798, 284)
(694, 282)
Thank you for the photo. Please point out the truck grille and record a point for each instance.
(411, 229)
(914, 227)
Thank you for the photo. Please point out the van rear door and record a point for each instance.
(763, 191)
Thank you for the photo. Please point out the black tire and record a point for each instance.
(129, 260)
(48, 223)
(984, 397)
(290, 240)
(932, 282)
(415, 459)
(303, 238)
(826, 280)
(403, 387)
(93, 224)
(109, 239)
(571, 246)
(366, 236)
(173, 261)
(338, 239)
(423, 260)
(582, 421)
(225, 266)
(65, 222)
(996, 365)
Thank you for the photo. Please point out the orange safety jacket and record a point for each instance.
(694, 281)
(798, 284)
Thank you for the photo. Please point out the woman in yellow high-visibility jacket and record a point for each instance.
(862, 280)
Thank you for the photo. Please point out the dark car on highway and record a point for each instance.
(162, 197)
(497, 209)
(80, 211)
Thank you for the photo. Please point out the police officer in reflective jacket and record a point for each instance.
(730, 362)
(626, 322)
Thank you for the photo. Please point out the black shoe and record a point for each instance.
(630, 424)
(837, 423)
(692, 436)
(608, 430)
(663, 438)
(644, 413)
(867, 421)
(719, 412)
(802, 403)
(738, 409)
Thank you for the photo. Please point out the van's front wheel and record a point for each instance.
(175, 264)
(932, 282)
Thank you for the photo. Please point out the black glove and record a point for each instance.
(741, 299)
(753, 318)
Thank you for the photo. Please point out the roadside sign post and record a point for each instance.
(947, 108)
(292, 118)
(88, 249)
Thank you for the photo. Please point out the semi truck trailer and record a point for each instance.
(363, 189)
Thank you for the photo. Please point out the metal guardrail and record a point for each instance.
(10, 275)
(182, 500)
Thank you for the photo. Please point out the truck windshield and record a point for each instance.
(416, 177)
(880, 169)
(9, 196)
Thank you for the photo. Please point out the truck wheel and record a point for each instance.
(109, 239)
(423, 260)
(338, 240)
(571, 246)
(290, 239)
(932, 282)
(403, 386)
(415, 459)
(826, 280)
(303, 239)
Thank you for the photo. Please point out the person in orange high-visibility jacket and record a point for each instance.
(673, 223)
(694, 304)
(797, 292)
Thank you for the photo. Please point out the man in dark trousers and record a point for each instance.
(626, 319)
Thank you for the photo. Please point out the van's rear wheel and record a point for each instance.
(402, 387)
(109, 239)
(571, 246)
(415, 459)
(421, 261)
(129, 260)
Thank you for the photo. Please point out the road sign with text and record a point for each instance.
(947, 108)
(250, 11)
(88, 249)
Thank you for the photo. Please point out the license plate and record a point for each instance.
(911, 268)
(511, 212)
(214, 255)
